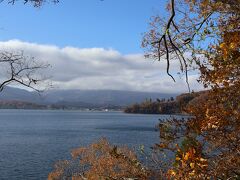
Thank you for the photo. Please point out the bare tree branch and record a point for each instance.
(36, 3)
(167, 41)
(21, 69)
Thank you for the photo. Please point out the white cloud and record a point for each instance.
(98, 68)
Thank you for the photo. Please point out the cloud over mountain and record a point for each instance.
(99, 68)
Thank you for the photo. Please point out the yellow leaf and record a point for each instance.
(222, 45)
(186, 156)
(192, 165)
(172, 172)
(203, 160)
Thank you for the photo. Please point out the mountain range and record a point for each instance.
(76, 98)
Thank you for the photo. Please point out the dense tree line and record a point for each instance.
(166, 106)
(154, 107)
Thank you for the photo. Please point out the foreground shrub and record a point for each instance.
(100, 160)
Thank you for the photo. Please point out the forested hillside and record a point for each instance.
(167, 106)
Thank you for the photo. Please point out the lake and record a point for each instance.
(32, 140)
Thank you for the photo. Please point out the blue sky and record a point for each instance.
(116, 24)
(90, 44)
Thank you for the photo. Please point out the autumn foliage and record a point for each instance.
(213, 149)
(100, 161)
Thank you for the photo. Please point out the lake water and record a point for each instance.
(32, 140)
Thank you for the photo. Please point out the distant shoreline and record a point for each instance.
(83, 110)
(66, 109)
